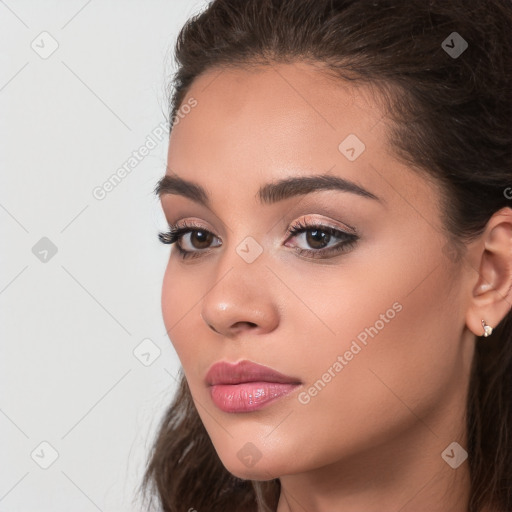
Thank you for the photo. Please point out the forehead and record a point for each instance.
(298, 89)
(298, 84)
(279, 112)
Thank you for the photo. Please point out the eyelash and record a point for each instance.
(348, 239)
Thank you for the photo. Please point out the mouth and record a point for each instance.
(247, 386)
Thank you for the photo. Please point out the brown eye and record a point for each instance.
(317, 239)
(200, 239)
(191, 241)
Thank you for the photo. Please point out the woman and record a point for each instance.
(338, 291)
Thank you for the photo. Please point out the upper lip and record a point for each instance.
(245, 371)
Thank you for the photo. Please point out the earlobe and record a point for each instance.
(492, 294)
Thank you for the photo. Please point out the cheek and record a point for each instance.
(397, 331)
(183, 291)
(398, 337)
(178, 298)
(170, 302)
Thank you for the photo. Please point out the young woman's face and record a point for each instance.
(367, 321)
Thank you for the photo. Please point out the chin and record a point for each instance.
(261, 470)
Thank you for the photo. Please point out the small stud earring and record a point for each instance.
(487, 329)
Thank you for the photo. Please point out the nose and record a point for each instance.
(241, 301)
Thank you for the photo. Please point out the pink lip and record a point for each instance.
(246, 386)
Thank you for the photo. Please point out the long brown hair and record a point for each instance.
(451, 118)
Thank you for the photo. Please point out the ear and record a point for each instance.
(492, 295)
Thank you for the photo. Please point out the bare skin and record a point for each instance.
(370, 438)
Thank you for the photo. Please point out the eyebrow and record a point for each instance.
(268, 194)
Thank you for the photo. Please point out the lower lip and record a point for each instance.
(248, 396)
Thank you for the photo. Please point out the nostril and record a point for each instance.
(242, 324)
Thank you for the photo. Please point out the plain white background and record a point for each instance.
(86, 367)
